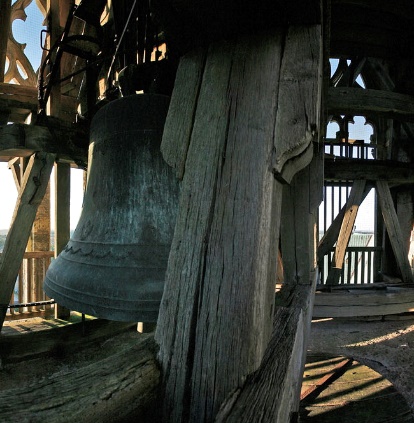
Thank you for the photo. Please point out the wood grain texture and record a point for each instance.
(24, 99)
(297, 120)
(371, 170)
(62, 219)
(298, 223)
(298, 240)
(178, 311)
(271, 393)
(360, 302)
(66, 140)
(357, 101)
(23, 139)
(267, 395)
(62, 206)
(69, 338)
(33, 187)
(394, 230)
(182, 109)
(405, 214)
(214, 319)
(239, 279)
(110, 389)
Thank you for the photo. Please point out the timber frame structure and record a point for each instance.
(251, 96)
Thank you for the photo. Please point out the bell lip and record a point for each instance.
(103, 312)
(69, 285)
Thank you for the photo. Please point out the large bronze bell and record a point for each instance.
(114, 265)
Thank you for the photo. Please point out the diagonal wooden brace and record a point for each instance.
(33, 187)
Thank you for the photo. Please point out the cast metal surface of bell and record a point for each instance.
(114, 265)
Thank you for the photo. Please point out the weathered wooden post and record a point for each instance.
(33, 187)
(241, 123)
(62, 220)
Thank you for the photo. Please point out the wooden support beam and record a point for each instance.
(351, 210)
(118, 388)
(376, 73)
(215, 319)
(394, 230)
(331, 235)
(15, 166)
(20, 100)
(299, 208)
(54, 32)
(67, 141)
(269, 394)
(391, 171)
(57, 13)
(33, 187)
(62, 219)
(356, 101)
(62, 206)
(364, 302)
(23, 100)
(299, 118)
(20, 140)
(298, 242)
(226, 186)
(39, 240)
(76, 336)
(182, 109)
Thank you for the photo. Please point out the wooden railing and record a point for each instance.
(350, 149)
(358, 265)
(29, 283)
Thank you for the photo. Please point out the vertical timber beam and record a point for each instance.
(182, 109)
(217, 296)
(394, 230)
(271, 394)
(54, 27)
(216, 315)
(39, 241)
(405, 214)
(298, 229)
(15, 165)
(62, 219)
(33, 187)
(301, 200)
(57, 12)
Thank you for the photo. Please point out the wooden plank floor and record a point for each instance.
(338, 389)
(349, 392)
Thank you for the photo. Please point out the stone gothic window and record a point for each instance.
(24, 50)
